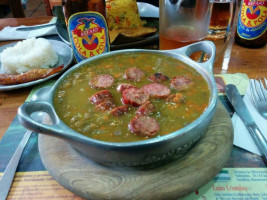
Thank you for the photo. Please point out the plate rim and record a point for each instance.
(53, 42)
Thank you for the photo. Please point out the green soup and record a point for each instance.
(74, 108)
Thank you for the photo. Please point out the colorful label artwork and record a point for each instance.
(88, 34)
(252, 19)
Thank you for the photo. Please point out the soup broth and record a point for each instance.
(73, 95)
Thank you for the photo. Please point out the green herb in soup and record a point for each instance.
(131, 97)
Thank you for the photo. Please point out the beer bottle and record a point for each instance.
(252, 24)
(71, 7)
(87, 27)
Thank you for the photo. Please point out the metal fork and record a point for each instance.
(259, 95)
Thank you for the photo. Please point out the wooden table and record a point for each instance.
(243, 60)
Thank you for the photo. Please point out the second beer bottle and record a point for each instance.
(87, 27)
(252, 24)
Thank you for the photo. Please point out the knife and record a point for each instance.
(60, 21)
(31, 28)
(9, 173)
(242, 111)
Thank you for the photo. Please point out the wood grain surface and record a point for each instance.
(178, 178)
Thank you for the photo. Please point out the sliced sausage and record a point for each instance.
(100, 97)
(123, 86)
(119, 110)
(133, 74)
(158, 78)
(156, 90)
(144, 126)
(134, 97)
(146, 109)
(176, 98)
(181, 83)
(102, 81)
(106, 105)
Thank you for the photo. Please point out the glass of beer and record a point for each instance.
(183, 22)
(222, 11)
(221, 18)
(222, 24)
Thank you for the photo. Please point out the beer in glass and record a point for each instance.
(222, 11)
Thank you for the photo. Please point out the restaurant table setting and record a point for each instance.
(224, 163)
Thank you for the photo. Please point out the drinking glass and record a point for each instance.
(221, 29)
(221, 17)
(183, 22)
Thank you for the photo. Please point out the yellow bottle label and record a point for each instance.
(88, 34)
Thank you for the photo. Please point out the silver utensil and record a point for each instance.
(242, 111)
(8, 175)
(31, 28)
(259, 96)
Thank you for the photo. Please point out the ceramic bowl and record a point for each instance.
(150, 152)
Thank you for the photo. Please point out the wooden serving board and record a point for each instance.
(181, 177)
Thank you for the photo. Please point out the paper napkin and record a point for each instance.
(242, 137)
(10, 33)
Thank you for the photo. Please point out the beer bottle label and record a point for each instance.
(252, 19)
(88, 35)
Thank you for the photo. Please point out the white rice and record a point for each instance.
(27, 55)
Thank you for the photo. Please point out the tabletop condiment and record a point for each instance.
(252, 24)
(87, 27)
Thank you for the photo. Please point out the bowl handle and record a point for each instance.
(205, 46)
(24, 116)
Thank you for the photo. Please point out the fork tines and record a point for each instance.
(258, 90)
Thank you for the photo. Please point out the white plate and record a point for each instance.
(65, 57)
(147, 10)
